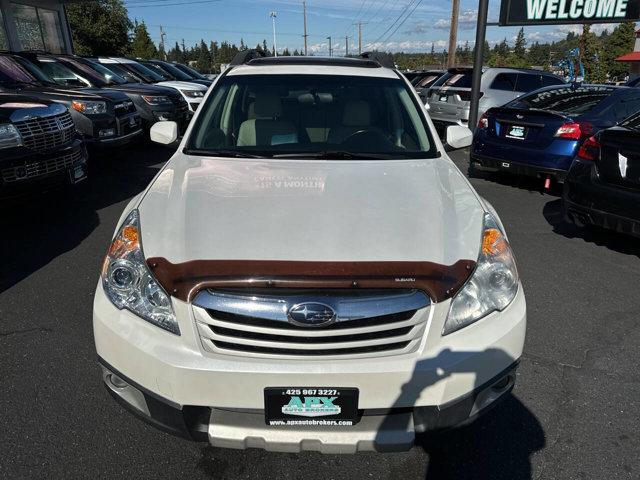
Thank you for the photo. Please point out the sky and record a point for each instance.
(391, 25)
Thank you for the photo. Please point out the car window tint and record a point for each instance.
(504, 81)
(632, 122)
(528, 82)
(549, 81)
(458, 79)
(626, 107)
(427, 80)
(568, 100)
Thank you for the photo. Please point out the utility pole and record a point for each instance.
(346, 45)
(304, 15)
(360, 24)
(273, 16)
(453, 33)
(481, 30)
(330, 49)
(162, 36)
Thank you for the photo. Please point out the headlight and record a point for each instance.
(193, 93)
(156, 99)
(129, 284)
(89, 107)
(492, 286)
(9, 136)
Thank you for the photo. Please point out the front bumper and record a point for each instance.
(23, 171)
(125, 129)
(447, 382)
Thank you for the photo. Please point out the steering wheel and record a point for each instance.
(368, 139)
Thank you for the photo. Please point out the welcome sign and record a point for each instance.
(550, 12)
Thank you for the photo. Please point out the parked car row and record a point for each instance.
(586, 137)
(55, 108)
(531, 123)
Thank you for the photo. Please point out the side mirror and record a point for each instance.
(458, 136)
(164, 133)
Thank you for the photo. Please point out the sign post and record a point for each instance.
(544, 12)
(481, 30)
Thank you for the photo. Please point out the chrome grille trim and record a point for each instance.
(29, 169)
(46, 133)
(368, 323)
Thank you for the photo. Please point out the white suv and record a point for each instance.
(309, 271)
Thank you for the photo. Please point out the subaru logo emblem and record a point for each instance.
(311, 314)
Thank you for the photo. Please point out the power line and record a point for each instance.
(402, 12)
(403, 21)
(147, 5)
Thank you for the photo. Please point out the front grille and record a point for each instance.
(180, 102)
(47, 133)
(30, 169)
(368, 323)
(124, 108)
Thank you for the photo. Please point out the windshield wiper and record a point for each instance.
(337, 155)
(223, 153)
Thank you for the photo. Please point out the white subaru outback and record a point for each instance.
(309, 271)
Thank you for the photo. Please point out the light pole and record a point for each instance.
(273, 16)
(330, 49)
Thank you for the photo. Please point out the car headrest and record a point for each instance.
(357, 113)
(267, 105)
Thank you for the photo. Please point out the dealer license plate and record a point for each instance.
(310, 406)
(517, 132)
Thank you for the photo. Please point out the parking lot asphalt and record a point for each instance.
(573, 414)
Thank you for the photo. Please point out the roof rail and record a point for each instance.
(246, 56)
(383, 59)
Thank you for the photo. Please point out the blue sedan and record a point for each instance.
(540, 133)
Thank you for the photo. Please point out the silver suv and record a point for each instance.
(449, 97)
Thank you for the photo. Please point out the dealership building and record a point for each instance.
(34, 25)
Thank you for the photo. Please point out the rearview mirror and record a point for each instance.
(164, 133)
(458, 136)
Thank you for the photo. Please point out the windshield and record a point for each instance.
(14, 71)
(167, 68)
(632, 123)
(146, 73)
(60, 73)
(96, 72)
(310, 116)
(458, 79)
(566, 100)
(190, 71)
(425, 80)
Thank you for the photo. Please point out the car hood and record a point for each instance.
(182, 85)
(142, 89)
(19, 107)
(244, 209)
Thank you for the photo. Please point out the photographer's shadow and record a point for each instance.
(498, 444)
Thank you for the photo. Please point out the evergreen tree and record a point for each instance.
(265, 48)
(99, 28)
(590, 55)
(204, 58)
(175, 54)
(620, 42)
(141, 45)
(520, 47)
